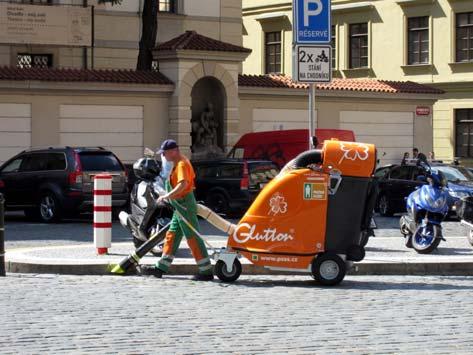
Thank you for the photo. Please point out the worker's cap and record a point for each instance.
(168, 144)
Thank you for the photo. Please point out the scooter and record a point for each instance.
(427, 207)
(147, 218)
(314, 217)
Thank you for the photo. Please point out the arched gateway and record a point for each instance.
(204, 109)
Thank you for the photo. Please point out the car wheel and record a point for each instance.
(218, 203)
(49, 210)
(328, 269)
(384, 206)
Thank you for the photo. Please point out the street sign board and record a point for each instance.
(311, 21)
(313, 64)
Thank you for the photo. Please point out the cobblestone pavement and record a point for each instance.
(68, 314)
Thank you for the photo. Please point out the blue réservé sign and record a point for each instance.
(312, 21)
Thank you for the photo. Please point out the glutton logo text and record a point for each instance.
(246, 232)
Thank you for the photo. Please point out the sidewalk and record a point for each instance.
(384, 256)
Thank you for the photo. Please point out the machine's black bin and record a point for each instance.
(465, 210)
(346, 210)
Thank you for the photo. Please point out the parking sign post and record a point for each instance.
(312, 63)
(311, 114)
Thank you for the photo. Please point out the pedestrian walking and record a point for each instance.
(180, 194)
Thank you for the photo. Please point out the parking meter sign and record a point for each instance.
(311, 20)
(313, 64)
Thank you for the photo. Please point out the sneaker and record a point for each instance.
(152, 271)
(202, 277)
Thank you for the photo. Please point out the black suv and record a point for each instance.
(396, 182)
(54, 182)
(229, 186)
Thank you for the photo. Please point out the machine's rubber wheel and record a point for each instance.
(49, 210)
(356, 253)
(328, 269)
(384, 206)
(423, 244)
(225, 276)
(470, 237)
(218, 203)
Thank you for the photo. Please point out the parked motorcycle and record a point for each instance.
(147, 218)
(426, 209)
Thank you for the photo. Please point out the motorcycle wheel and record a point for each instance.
(423, 244)
(470, 237)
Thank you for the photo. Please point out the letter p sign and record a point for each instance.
(312, 22)
(310, 11)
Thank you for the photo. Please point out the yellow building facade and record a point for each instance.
(425, 41)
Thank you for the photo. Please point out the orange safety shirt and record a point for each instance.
(183, 171)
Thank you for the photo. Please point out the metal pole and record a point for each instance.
(311, 114)
(2, 236)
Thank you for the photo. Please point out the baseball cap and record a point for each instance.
(168, 144)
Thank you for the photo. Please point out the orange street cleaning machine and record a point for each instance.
(314, 217)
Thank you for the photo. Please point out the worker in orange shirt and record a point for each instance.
(180, 194)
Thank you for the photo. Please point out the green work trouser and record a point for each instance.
(187, 207)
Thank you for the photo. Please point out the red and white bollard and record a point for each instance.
(102, 213)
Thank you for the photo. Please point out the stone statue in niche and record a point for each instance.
(205, 129)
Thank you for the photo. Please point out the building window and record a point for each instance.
(464, 133)
(359, 45)
(27, 60)
(465, 37)
(167, 6)
(273, 52)
(418, 38)
(333, 43)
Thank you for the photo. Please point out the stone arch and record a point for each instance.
(182, 114)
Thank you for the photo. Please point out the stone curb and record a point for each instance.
(369, 268)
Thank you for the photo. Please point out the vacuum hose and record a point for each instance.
(215, 220)
(305, 159)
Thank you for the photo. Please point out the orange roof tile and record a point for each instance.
(84, 75)
(191, 40)
(368, 85)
